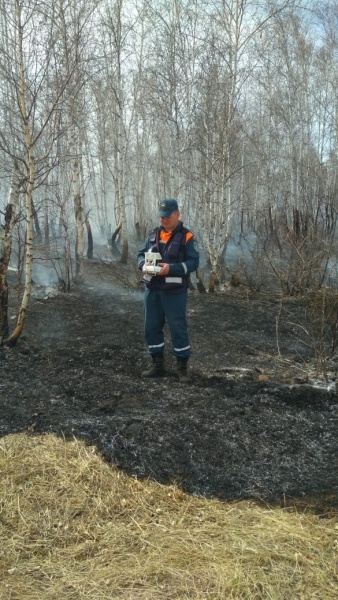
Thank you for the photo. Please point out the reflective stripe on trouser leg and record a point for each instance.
(154, 319)
(175, 311)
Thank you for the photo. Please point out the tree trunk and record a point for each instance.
(200, 284)
(30, 178)
(113, 246)
(38, 234)
(124, 253)
(5, 252)
(79, 237)
(78, 221)
(90, 240)
(11, 341)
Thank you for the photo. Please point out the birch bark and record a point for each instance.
(5, 251)
(30, 179)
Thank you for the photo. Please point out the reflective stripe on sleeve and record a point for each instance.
(173, 279)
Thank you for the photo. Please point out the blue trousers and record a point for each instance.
(161, 307)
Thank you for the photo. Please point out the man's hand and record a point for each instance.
(164, 270)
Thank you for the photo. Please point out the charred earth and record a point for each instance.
(252, 423)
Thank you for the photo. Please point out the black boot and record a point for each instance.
(182, 370)
(157, 369)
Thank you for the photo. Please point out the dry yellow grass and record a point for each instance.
(72, 527)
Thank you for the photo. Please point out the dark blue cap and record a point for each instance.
(167, 206)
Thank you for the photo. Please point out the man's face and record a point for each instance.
(169, 223)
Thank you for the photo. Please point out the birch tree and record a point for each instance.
(116, 26)
(32, 115)
(72, 19)
(6, 231)
(293, 209)
(20, 23)
(227, 68)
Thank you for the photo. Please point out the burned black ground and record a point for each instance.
(250, 425)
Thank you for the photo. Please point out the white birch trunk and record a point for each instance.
(30, 179)
(78, 211)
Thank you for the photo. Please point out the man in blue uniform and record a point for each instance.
(165, 297)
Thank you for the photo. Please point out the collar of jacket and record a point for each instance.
(177, 228)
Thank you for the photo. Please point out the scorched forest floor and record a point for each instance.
(252, 423)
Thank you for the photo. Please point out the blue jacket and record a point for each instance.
(177, 248)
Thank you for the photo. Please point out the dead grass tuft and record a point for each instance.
(73, 527)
